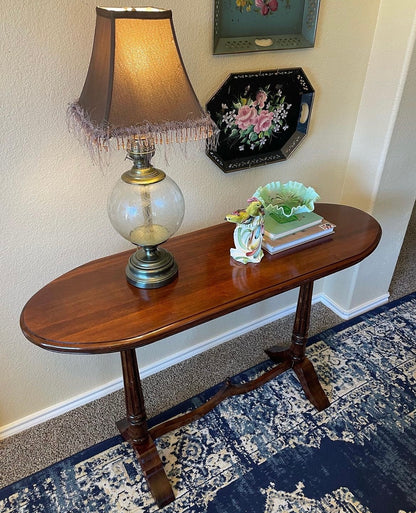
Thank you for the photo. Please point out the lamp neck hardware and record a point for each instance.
(141, 151)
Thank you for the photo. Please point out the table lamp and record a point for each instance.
(137, 93)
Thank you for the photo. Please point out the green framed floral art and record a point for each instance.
(261, 116)
(258, 25)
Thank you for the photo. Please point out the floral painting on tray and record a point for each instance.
(258, 25)
(261, 117)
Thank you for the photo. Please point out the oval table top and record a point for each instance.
(92, 309)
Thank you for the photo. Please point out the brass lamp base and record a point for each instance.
(151, 267)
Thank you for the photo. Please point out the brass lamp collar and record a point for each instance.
(140, 151)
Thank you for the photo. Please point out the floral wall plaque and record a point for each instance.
(261, 117)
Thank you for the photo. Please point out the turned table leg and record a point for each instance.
(296, 352)
(134, 429)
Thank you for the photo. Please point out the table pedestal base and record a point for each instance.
(134, 430)
(134, 426)
(295, 355)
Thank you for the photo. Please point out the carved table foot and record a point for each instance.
(306, 374)
(151, 465)
(310, 383)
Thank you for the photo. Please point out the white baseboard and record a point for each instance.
(92, 395)
(59, 409)
(354, 312)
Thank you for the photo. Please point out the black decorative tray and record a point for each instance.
(262, 117)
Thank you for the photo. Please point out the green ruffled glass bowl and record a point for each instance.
(284, 201)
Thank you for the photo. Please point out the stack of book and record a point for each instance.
(306, 228)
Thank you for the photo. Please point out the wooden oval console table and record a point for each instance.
(93, 309)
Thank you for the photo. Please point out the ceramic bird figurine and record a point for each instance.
(243, 215)
(248, 234)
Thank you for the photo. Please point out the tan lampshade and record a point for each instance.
(136, 82)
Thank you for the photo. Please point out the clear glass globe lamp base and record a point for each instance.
(147, 207)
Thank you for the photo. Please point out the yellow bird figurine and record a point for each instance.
(254, 209)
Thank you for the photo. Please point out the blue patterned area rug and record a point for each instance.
(270, 451)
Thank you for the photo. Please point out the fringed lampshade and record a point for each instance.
(137, 84)
(137, 92)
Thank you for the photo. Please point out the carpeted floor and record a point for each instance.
(28, 452)
(270, 450)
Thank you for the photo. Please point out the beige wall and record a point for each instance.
(381, 175)
(54, 200)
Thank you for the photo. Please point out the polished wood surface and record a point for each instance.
(92, 309)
